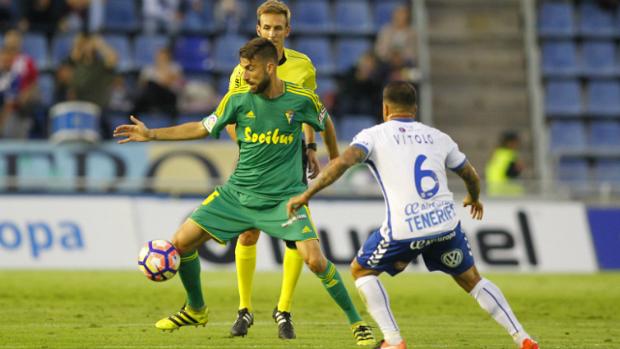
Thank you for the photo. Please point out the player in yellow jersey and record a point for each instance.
(273, 23)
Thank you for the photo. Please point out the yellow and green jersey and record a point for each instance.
(294, 67)
(269, 137)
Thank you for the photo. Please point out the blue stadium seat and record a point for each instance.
(120, 15)
(312, 16)
(563, 98)
(199, 21)
(596, 21)
(227, 52)
(607, 170)
(384, 10)
(605, 134)
(556, 19)
(353, 17)
(193, 53)
(35, 45)
(567, 135)
(348, 51)
(599, 58)
(559, 58)
(61, 48)
(46, 88)
(145, 48)
(571, 170)
(121, 45)
(319, 51)
(351, 125)
(603, 98)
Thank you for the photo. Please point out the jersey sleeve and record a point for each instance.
(236, 78)
(224, 114)
(364, 141)
(314, 113)
(455, 158)
(310, 82)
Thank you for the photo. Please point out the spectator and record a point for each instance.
(159, 85)
(166, 15)
(398, 36)
(504, 168)
(20, 89)
(360, 89)
(40, 16)
(92, 61)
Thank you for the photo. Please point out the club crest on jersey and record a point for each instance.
(289, 116)
(250, 114)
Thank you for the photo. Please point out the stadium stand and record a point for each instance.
(556, 19)
(578, 40)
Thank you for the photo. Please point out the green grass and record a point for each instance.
(115, 310)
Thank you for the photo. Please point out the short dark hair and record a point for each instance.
(261, 48)
(400, 93)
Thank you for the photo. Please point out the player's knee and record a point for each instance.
(180, 246)
(356, 269)
(249, 238)
(316, 264)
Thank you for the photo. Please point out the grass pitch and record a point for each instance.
(117, 310)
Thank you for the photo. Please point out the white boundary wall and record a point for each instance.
(98, 232)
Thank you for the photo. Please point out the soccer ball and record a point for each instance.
(159, 260)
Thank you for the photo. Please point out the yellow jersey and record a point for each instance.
(294, 67)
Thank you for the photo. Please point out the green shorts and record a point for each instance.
(226, 213)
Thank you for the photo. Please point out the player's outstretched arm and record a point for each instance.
(138, 132)
(472, 181)
(334, 170)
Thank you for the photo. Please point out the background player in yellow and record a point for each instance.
(273, 24)
(269, 114)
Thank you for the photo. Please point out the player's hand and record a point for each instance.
(295, 203)
(314, 166)
(476, 209)
(133, 133)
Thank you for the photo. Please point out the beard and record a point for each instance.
(263, 85)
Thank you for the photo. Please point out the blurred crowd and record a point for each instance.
(90, 70)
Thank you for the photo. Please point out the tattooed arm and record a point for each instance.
(334, 170)
(472, 182)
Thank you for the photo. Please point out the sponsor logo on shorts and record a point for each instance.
(452, 258)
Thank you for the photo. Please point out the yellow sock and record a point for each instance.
(292, 269)
(245, 258)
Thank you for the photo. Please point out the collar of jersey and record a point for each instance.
(404, 119)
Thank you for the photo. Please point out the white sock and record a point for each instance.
(378, 305)
(493, 301)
